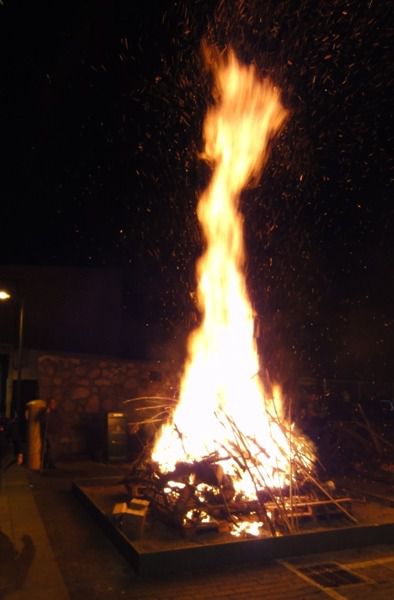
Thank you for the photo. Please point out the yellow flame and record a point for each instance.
(247, 527)
(221, 392)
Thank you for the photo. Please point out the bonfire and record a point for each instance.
(227, 454)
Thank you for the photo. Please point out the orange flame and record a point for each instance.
(221, 392)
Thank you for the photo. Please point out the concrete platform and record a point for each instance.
(163, 550)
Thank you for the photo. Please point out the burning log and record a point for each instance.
(198, 496)
(193, 508)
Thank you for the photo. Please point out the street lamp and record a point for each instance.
(4, 296)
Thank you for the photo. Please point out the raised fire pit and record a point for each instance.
(163, 549)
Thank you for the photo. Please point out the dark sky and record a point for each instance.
(102, 104)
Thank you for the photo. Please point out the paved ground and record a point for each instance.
(51, 548)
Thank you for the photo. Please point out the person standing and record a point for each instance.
(50, 428)
(9, 432)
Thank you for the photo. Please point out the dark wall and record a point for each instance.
(66, 309)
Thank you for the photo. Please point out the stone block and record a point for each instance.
(131, 384)
(79, 393)
(108, 404)
(50, 370)
(102, 381)
(73, 361)
(94, 373)
(131, 518)
(92, 405)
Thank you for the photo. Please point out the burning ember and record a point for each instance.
(228, 457)
(223, 404)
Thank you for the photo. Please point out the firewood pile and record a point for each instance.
(200, 496)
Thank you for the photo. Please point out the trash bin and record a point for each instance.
(34, 438)
(116, 437)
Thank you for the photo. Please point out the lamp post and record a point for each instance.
(4, 296)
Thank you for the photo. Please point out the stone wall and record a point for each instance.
(86, 389)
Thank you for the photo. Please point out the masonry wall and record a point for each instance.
(86, 389)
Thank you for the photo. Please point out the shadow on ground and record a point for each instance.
(14, 564)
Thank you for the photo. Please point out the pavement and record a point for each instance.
(24, 543)
(51, 548)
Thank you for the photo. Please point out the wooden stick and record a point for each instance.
(172, 400)
(322, 489)
(370, 429)
(242, 440)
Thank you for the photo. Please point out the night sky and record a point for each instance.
(102, 104)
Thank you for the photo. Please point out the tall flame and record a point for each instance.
(221, 389)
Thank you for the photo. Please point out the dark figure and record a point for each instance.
(50, 427)
(9, 432)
